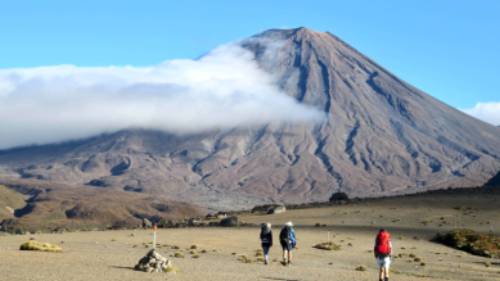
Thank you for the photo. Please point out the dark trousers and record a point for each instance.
(265, 248)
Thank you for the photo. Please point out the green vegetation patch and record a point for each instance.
(33, 245)
(486, 245)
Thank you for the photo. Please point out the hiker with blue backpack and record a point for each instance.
(288, 242)
(382, 251)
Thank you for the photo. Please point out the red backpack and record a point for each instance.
(382, 245)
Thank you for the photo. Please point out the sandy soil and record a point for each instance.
(110, 255)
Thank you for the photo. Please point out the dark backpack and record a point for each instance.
(285, 234)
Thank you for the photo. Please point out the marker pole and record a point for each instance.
(154, 235)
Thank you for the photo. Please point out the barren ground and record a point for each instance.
(110, 255)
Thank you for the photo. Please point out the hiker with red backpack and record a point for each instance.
(382, 252)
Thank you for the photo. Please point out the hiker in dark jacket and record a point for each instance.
(288, 242)
(382, 251)
(266, 239)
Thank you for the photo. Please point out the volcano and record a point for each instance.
(381, 137)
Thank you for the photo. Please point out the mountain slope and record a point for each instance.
(381, 136)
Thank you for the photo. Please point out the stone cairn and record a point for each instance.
(153, 262)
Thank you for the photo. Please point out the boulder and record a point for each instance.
(269, 209)
(153, 262)
(339, 197)
(278, 209)
(230, 221)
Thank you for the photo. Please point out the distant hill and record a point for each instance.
(40, 205)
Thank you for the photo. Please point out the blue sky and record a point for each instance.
(449, 49)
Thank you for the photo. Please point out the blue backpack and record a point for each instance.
(293, 240)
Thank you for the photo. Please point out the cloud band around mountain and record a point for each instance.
(223, 89)
(486, 111)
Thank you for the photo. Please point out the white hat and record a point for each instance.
(289, 224)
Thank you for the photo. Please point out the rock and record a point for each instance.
(277, 209)
(194, 222)
(221, 215)
(269, 209)
(339, 198)
(230, 221)
(153, 262)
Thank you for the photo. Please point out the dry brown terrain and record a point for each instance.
(30, 205)
(110, 255)
(427, 213)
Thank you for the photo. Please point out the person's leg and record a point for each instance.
(289, 256)
(285, 253)
(381, 274)
(265, 249)
(386, 273)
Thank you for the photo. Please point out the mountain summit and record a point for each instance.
(381, 137)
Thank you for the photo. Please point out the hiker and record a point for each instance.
(288, 242)
(266, 239)
(382, 251)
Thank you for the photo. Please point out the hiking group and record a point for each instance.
(382, 249)
(287, 241)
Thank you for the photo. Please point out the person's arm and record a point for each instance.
(270, 239)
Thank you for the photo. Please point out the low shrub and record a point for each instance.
(328, 246)
(33, 245)
(487, 245)
(360, 268)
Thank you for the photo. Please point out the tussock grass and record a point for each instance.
(33, 245)
(360, 268)
(259, 253)
(171, 269)
(244, 259)
(327, 246)
(178, 255)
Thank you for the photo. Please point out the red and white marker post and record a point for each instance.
(154, 235)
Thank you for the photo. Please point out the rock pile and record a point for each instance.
(153, 262)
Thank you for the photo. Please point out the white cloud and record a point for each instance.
(486, 111)
(223, 89)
